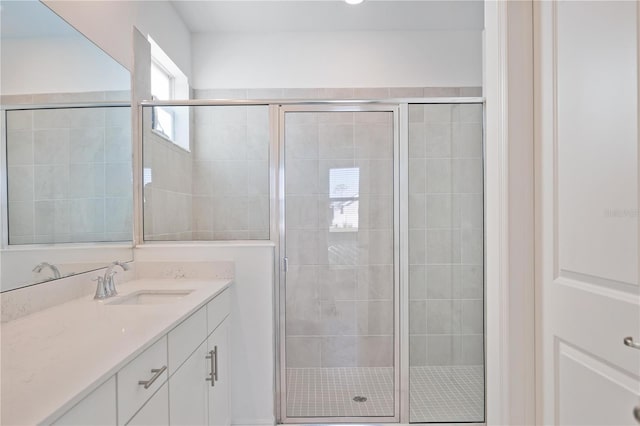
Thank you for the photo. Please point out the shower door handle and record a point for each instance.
(285, 264)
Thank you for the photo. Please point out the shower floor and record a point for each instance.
(438, 394)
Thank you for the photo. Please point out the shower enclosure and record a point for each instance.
(376, 212)
(381, 285)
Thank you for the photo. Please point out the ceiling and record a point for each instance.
(329, 15)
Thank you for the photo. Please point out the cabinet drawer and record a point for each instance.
(185, 338)
(98, 408)
(218, 309)
(131, 394)
(155, 412)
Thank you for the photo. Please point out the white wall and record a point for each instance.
(109, 25)
(58, 65)
(337, 59)
(252, 319)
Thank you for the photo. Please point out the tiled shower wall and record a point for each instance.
(231, 173)
(340, 284)
(223, 191)
(216, 190)
(69, 171)
(445, 235)
(167, 180)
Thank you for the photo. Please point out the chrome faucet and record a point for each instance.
(40, 266)
(109, 282)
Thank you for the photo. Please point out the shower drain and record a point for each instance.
(360, 398)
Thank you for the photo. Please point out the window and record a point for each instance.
(344, 187)
(168, 83)
(161, 82)
(163, 118)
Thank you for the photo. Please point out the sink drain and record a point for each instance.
(360, 398)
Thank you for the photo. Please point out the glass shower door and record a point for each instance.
(340, 327)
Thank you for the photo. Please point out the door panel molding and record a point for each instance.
(607, 284)
(581, 374)
(580, 165)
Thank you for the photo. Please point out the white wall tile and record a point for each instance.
(86, 180)
(467, 140)
(438, 140)
(87, 145)
(52, 218)
(19, 147)
(19, 120)
(20, 220)
(20, 183)
(51, 146)
(51, 182)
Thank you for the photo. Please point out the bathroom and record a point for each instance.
(265, 212)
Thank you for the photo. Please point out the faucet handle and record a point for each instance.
(101, 291)
(110, 284)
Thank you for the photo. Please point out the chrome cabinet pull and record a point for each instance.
(215, 372)
(629, 342)
(636, 413)
(213, 355)
(157, 373)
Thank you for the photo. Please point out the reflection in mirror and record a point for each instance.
(69, 175)
(66, 132)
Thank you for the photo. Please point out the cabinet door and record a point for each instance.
(218, 343)
(99, 408)
(188, 390)
(155, 412)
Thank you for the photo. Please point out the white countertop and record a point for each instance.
(53, 358)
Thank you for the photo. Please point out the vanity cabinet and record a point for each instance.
(200, 387)
(98, 408)
(155, 411)
(149, 367)
(218, 387)
(184, 375)
(188, 404)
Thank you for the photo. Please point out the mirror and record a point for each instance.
(67, 203)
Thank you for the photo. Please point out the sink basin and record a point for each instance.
(151, 297)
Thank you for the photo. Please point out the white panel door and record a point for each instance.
(587, 211)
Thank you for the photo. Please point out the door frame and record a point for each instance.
(511, 322)
(280, 297)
